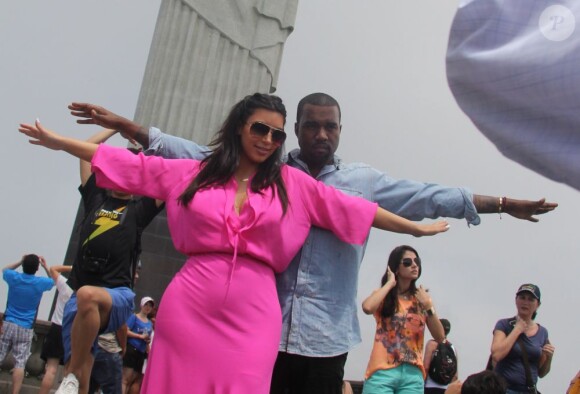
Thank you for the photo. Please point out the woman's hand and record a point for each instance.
(423, 297)
(521, 325)
(548, 350)
(41, 136)
(392, 280)
(433, 228)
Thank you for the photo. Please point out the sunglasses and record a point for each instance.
(407, 261)
(259, 129)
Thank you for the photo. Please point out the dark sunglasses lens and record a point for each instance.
(407, 261)
(278, 136)
(259, 129)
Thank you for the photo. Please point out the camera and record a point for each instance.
(93, 264)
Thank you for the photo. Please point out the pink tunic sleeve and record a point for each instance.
(151, 176)
(349, 218)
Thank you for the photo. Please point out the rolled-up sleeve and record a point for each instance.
(171, 147)
(416, 200)
(349, 218)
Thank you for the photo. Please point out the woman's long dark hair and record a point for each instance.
(390, 304)
(221, 164)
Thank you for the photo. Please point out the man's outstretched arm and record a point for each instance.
(94, 114)
(520, 209)
(152, 139)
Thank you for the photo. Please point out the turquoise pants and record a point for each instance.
(404, 379)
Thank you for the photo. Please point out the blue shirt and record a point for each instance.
(139, 327)
(511, 367)
(327, 268)
(24, 294)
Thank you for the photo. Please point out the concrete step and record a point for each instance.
(30, 385)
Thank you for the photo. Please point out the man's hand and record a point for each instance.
(94, 114)
(525, 209)
(519, 209)
(43, 263)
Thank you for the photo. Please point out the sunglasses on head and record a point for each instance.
(407, 261)
(261, 130)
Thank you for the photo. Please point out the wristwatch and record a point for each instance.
(430, 311)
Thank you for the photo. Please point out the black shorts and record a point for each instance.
(52, 346)
(133, 359)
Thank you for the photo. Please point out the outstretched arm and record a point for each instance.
(520, 209)
(386, 220)
(40, 136)
(85, 166)
(94, 114)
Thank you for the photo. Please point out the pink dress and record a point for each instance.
(219, 322)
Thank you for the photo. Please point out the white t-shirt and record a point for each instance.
(64, 293)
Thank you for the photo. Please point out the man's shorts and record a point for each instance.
(18, 339)
(122, 307)
(52, 346)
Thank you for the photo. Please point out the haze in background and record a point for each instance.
(384, 62)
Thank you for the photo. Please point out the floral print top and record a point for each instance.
(399, 338)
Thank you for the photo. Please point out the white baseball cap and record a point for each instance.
(145, 300)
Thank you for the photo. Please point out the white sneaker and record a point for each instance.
(69, 385)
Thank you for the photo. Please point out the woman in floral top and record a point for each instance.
(401, 310)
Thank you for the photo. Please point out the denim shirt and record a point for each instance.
(318, 291)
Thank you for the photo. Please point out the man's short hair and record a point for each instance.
(321, 99)
(446, 326)
(30, 264)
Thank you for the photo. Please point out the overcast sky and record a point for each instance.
(384, 61)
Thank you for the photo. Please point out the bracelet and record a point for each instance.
(430, 312)
(502, 205)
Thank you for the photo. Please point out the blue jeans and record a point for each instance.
(404, 379)
(107, 372)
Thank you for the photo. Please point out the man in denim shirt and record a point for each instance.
(317, 334)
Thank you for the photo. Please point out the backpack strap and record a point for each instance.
(135, 255)
(529, 382)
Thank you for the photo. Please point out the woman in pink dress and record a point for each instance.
(240, 216)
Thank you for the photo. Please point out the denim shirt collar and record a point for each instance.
(293, 159)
